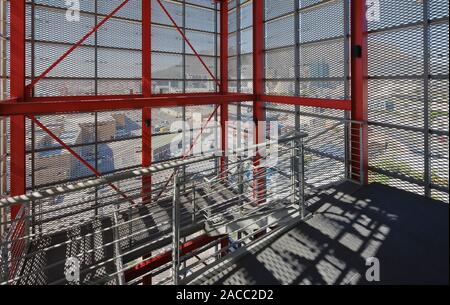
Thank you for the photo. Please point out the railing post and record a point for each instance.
(130, 227)
(301, 177)
(4, 262)
(176, 230)
(359, 89)
(194, 216)
(347, 149)
(361, 155)
(294, 172)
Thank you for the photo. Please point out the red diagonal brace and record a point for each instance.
(79, 158)
(76, 45)
(188, 42)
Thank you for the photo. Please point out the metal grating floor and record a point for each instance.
(408, 233)
(93, 241)
(48, 267)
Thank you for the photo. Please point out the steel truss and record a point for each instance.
(23, 104)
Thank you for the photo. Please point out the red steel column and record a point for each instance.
(259, 116)
(223, 79)
(359, 89)
(146, 92)
(17, 129)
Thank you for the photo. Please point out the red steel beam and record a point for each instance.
(223, 79)
(359, 70)
(100, 104)
(154, 262)
(258, 90)
(311, 102)
(188, 42)
(146, 92)
(77, 156)
(146, 152)
(17, 90)
(146, 48)
(72, 48)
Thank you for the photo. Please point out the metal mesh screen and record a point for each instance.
(240, 46)
(305, 56)
(408, 96)
(110, 60)
(175, 68)
(108, 141)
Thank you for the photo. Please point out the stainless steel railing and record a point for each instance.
(116, 241)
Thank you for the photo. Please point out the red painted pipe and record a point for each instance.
(161, 259)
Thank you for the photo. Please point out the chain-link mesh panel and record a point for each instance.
(240, 46)
(322, 21)
(401, 96)
(397, 13)
(246, 41)
(281, 87)
(276, 8)
(108, 141)
(280, 63)
(322, 59)
(438, 9)
(110, 60)
(438, 94)
(439, 161)
(207, 22)
(396, 101)
(396, 53)
(101, 56)
(280, 32)
(397, 151)
(439, 49)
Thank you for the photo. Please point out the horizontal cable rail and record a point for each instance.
(111, 238)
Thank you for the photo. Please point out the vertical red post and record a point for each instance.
(224, 80)
(224, 243)
(146, 92)
(147, 279)
(17, 129)
(259, 116)
(359, 90)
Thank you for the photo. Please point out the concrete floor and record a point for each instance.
(407, 233)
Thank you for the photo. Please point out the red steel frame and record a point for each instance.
(223, 80)
(258, 91)
(17, 87)
(146, 92)
(359, 106)
(23, 104)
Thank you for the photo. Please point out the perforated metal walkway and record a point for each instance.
(409, 234)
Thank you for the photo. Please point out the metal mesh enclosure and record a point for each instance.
(240, 46)
(305, 48)
(174, 67)
(306, 55)
(408, 96)
(110, 60)
(132, 134)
